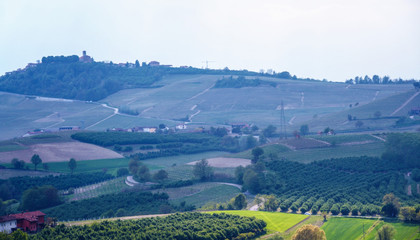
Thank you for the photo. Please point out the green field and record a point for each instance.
(11, 147)
(276, 221)
(90, 165)
(352, 228)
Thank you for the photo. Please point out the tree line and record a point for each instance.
(379, 80)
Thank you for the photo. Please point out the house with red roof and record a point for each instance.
(26, 221)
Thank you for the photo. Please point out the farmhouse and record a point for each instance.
(181, 126)
(27, 221)
(7, 224)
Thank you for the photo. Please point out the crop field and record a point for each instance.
(348, 138)
(365, 113)
(98, 189)
(316, 154)
(59, 152)
(219, 193)
(304, 143)
(182, 192)
(11, 147)
(352, 228)
(276, 221)
(19, 114)
(110, 165)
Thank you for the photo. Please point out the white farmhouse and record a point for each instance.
(8, 224)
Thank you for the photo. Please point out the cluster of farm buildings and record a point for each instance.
(26, 221)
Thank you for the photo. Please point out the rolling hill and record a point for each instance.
(319, 104)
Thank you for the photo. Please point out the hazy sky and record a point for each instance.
(330, 39)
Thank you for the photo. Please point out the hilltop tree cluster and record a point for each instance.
(379, 80)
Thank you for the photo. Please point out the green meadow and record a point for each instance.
(276, 221)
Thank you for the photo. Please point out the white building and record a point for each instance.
(8, 224)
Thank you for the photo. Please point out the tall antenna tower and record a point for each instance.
(282, 122)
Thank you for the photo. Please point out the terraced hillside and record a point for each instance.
(194, 97)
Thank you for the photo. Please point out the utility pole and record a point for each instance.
(207, 63)
(363, 231)
(282, 122)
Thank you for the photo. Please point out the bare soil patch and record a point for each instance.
(59, 152)
(222, 162)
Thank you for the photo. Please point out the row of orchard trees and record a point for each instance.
(390, 206)
(176, 226)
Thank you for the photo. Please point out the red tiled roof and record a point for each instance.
(7, 218)
(29, 216)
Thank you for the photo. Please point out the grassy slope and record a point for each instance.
(276, 221)
(365, 113)
(184, 95)
(352, 228)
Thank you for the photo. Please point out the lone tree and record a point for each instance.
(269, 131)
(387, 232)
(72, 165)
(160, 175)
(359, 124)
(309, 232)
(202, 170)
(36, 160)
(239, 202)
(304, 129)
(256, 153)
(390, 205)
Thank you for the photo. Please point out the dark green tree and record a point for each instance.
(202, 170)
(252, 181)
(122, 172)
(239, 202)
(133, 166)
(250, 142)
(304, 129)
(72, 165)
(18, 164)
(239, 174)
(36, 160)
(256, 153)
(390, 205)
(160, 175)
(143, 173)
(269, 131)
